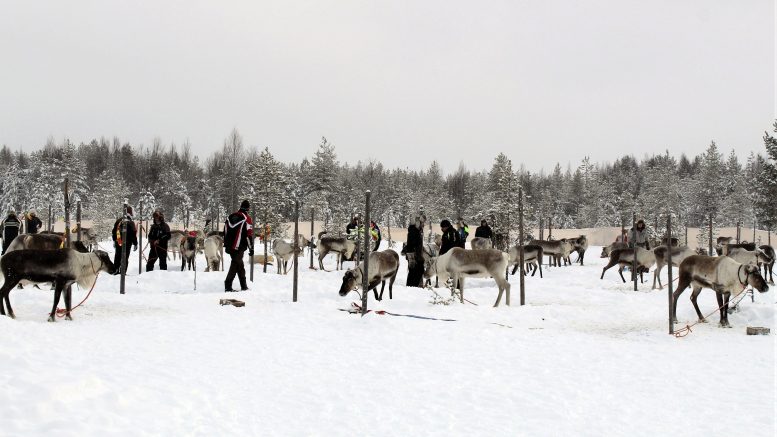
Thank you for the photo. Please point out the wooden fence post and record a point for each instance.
(634, 246)
(140, 239)
(296, 247)
(710, 235)
(253, 240)
(520, 251)
(264, 240)
(123, 263)
(51, 222)
(312, 213)
(669, 267)
(366, 275)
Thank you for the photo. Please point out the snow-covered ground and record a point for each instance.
(583, 357)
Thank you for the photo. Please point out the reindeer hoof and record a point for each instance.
(702, 320)
(67, 317)
(52, 319)
(724, 325)
(12, 315)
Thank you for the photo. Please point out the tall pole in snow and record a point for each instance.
(296, 253)
(669, 267)
(310, 249)
(366, 272)
(634, 245)
(520, 249)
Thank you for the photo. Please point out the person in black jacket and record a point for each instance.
(414, 245)
(10, 226)
(238, 237)
(158, 236)
(450, 237)
(33, 222)
(484, 231)
(119, 241)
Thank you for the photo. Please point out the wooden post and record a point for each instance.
(754, 224)
(739, 230)
(550, 228)
(312, 214)
(669, 267)
(633, 244)
(78, 220)
(218, 228)
(253, 240)
(123, 264)
(769, 235)
(542, 231)
(67, 212)
(140, 240)
(187, 219)
(264, 240)
(710, 239)
(366, 273)
(295, 242)
(520, 252)
(49, 224)
(686, 234)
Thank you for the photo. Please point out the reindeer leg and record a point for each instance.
(57, 294)
(515, 267)
(5, 291)
(723, 299)
(382, 287)
(391, 284)
(682, 284)
(694, 295)
(68, 301)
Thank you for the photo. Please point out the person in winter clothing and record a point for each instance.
(33, 222)
(463, 230)
(415, 242)
(352, 229)
(639, 235)
(10, 226)
(484, 231)
(450, 237)
(158, 237)
(375, 235)
(238, 237)
(120, 241)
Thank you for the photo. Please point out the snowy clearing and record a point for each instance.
(583, 357)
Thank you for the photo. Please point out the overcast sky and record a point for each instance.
(402, 82)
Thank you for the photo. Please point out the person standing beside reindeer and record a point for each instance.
(10, 226)
(238, 237)
(639, 236)
(158, 236)
(33, 223)
(123, 241)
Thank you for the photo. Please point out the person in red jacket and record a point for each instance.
(238, 237)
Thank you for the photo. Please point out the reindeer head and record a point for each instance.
(352, 279)
(754, 278)
(106, 265)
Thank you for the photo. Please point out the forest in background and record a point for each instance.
(105, 172)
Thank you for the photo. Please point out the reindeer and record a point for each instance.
(188, 249)
(344, 248)
(479, 243)
(661, 252)
(213, 247)
(769, 251)
(458, 263)
(63, 267)
(532, 256)
(382, 266)
(723, 275)
(625, 257)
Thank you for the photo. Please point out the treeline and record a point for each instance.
(103, 173)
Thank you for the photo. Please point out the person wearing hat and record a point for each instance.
(238, 237)
(639, 236)
(10, 226)
(121, 241)
(33, 223)
(158, 236)
(450, 237)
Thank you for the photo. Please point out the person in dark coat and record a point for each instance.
(484, 231)
(352, 229)
(415, 242)
(158, 237)
(238, 237)
(33, 223)
(10, 226)
(450, 237)
(463, 229)
(119, 241)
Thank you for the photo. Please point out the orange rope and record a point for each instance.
(682, 332)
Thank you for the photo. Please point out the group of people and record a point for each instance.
(355, 230)
(451, 237)
(11, 226)
(238, 238)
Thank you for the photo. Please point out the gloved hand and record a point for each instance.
(135, 248)
(251, 252)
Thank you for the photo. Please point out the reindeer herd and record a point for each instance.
(737, 265)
